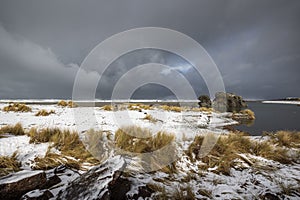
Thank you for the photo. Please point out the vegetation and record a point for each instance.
(285, 138)
(171, 108)
(9, 164)
(44, 112)
(69, 104)
(139, 106)
(228, 149)
(17, 107)
(107, 107)
(14, 130)
(71, 148)
(150, 118)
(134, 140)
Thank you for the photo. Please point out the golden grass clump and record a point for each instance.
(107, 107)
(150, 118)
(69, 104)
(134, 140)
(67, 142)
(249, 113)
(138, 106)
(44, 112)
(285, 138)
(228, 148)
(171, 108)
(9, 164)
(17, 107)
(203, 109)
(14, 130)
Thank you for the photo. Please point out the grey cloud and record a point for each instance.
(255, 44)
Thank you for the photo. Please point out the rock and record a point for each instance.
(228, 102)
(269, 196)
(38, 195)
(96, 183)
(14, 186)
(204, 101)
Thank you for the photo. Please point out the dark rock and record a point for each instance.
(38, 195)
(97, 182)
(14, 186)
(228, 102)
(144, 192)
(204, 101)
(269, 196)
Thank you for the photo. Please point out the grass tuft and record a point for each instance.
(171, 108)
(135, 140)
(107, 107)
(17, 107)
(69, 104)
(150, 118)
(9, 164)
(44, 112)
(14, 130)
(228, 148)
(67, 142)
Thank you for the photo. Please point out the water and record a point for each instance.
(272, 117)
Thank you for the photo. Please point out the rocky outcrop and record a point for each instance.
(98, 182)
(15, 185)
(204, 101)
(228, 102)
(38, 195)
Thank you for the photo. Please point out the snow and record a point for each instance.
(15, 177)
(283, 102)
(241, 184)
(26, 152)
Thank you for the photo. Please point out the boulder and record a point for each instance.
(14, 186)
(37, 195)
(228, 102)
(204, 101)
(97, 182)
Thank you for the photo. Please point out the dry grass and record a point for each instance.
(100, 143)
(138, 106)
(44, 112)
(9, 164)
(172, 108)
(228, 148)
(14, 130)
(285, 138)
(67, 142)
(69, 104)
(17, 107)
(62, 103)
(134, 140)
(203, 109)
(107, 107)
(150, 118)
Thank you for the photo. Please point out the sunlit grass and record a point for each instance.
(9, 164)
(44, 112)
(17, 107)
(17, 129)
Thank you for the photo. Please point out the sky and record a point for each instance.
(254, 43)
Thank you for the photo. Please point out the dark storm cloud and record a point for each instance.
(255, 44)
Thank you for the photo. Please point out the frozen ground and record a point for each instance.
(242, 184)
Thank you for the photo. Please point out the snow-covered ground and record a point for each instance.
(283, 102)
(242, 184)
